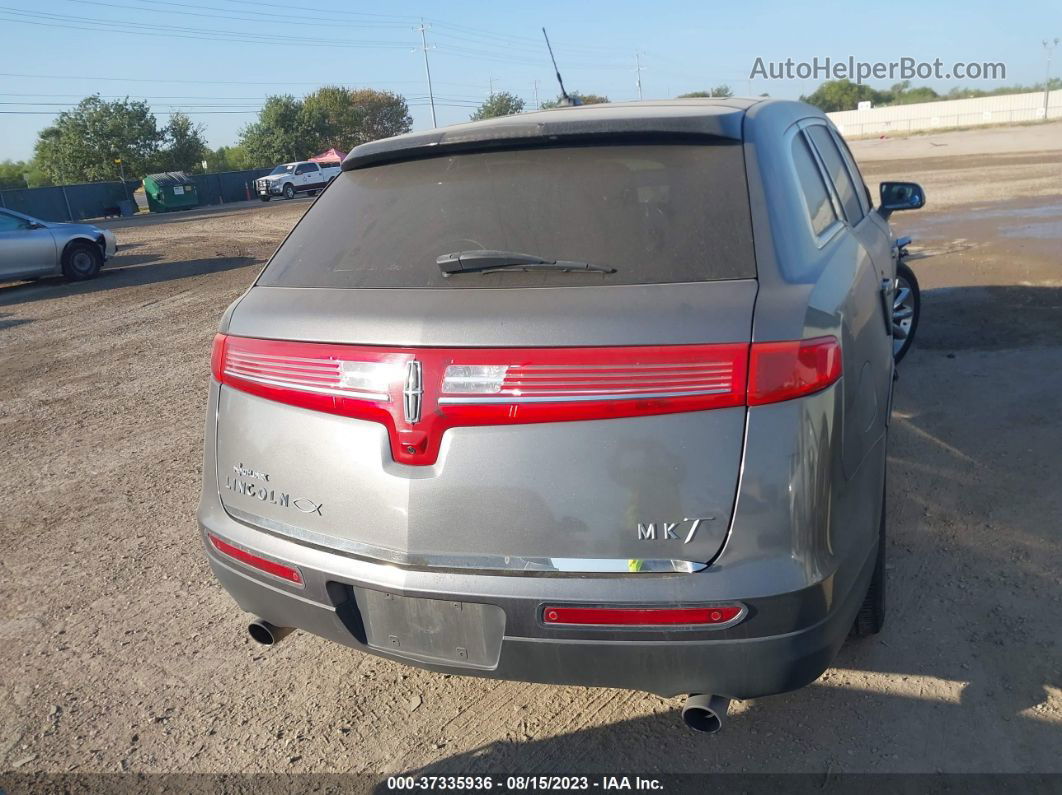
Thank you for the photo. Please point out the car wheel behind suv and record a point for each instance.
(289, 191)
(906, 310)
(82, 261)
(264, 198)
(871, 616)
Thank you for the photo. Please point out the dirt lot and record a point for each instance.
(120, 653)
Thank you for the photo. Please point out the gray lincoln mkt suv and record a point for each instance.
(595, 396)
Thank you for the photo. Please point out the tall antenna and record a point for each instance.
(564, 93)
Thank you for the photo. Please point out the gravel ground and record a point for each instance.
(958, 168)
(120, 653)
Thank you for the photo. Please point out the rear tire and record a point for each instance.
(82, 260)
(871, 616)
(911, 306)
(289, 191)
(264, 198)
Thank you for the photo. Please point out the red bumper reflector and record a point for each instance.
(641, 616)
(268, 566)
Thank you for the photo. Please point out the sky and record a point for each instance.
(218, 59)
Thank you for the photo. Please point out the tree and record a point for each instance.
(836, 95)
(902, 94)
(83, 144)
(292, 129)
(383, 114)
(185, 149)
(583, 99)
(280, 134)
(13, 174)
(722, 90)
(500, 104)
(231, 158)
(330, 112)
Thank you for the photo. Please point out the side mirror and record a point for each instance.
(900, 196)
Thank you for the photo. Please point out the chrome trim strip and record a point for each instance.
(495, 564)
(551, 388)
(302, 387)
(298, 369)
(611, 395)
(283, 357)
(634, 367)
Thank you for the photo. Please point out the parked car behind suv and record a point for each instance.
(289, 179)
(596, 395)
(31, 248)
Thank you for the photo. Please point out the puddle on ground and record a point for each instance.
(1009, 221)
(1048, 230)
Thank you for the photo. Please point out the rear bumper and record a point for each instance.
(786, 641)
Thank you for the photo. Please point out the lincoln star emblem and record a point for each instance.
(412, 392)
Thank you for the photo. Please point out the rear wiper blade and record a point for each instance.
(485, 261)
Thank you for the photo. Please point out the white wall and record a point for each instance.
(1003, 109)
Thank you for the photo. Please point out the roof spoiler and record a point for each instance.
(551, 128)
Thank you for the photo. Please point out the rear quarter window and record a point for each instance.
(838, 171)
(654, 212)
(816, 196)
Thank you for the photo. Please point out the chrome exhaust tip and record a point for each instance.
(705, 713)
(261, 631)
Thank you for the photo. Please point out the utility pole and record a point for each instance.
(534, 84)
(638, 71)
(422, 29)
(491, 78)
(1047, 76)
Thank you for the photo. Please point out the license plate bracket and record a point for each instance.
(467, 634)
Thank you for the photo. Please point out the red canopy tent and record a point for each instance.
(331, 156)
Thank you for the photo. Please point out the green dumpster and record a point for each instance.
(171, 190)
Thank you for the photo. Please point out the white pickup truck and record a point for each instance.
(290, 179)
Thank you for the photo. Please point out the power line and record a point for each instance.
(171, 31)
(159, 113)
(475, 35)
(255, 3)
(124, 96)
(221, 82)
(286, 18)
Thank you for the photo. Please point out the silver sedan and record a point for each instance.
(30, 248)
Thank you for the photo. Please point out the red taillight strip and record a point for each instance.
(643, 616)
(418, 393)
(785, 370)
(289, 573)
(561, 375)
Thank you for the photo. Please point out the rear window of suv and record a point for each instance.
(654, 212)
